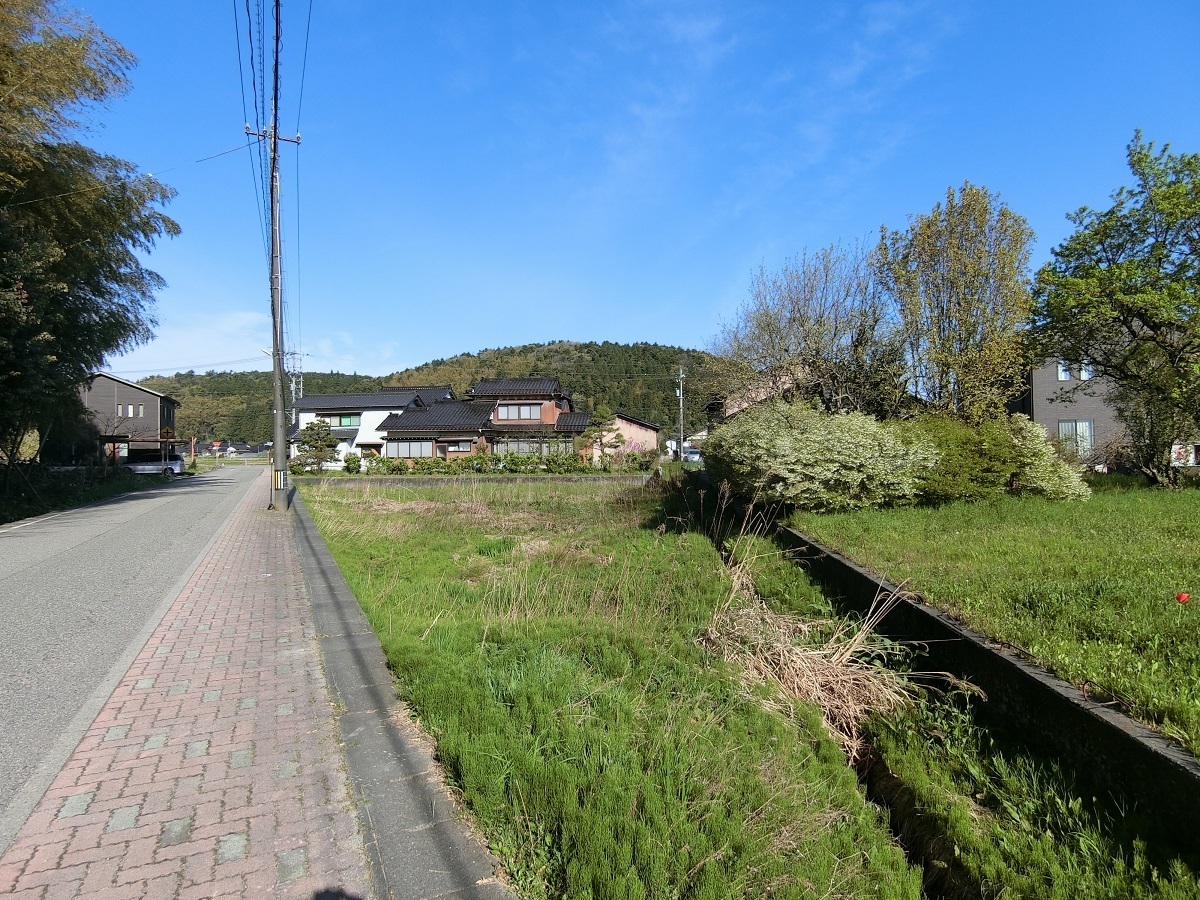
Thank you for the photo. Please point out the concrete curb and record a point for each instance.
(418, 481)
(416, 840)
(1107, 750)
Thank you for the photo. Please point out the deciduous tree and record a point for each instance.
(1122, 294)
(73, 222)
(819, 327)
(958, 277)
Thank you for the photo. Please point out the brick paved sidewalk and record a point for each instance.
(213, 770)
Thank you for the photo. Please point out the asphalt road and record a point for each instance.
(80, 592)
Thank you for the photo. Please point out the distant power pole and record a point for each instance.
(680, 393)
(271, 135)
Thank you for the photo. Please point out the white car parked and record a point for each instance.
(153, 463)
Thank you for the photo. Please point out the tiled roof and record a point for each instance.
(572, 421)
(429, 393)
(344, 434)
(449, 415)
(518, 387)
(359, 401)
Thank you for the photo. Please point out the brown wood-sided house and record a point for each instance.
(127, 418)
(498, 415)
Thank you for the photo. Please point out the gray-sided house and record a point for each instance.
(1072, 405)
(129, 419)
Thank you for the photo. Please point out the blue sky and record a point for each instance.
(480, 175)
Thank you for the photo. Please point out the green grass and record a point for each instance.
(1015, 824)
(48, 491)
(545, 634)
(1086, 589)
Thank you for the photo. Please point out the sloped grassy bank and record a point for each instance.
(546, 635)
(986, 817)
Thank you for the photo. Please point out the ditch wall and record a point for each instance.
(1106, 750)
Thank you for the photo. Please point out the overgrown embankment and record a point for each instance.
(547, 636)
(552, 637)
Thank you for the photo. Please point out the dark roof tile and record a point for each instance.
(573, 421)
(429, 393)
(448, 415)
(636, 421)
(518, 387)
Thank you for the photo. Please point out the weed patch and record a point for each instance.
(550, 645)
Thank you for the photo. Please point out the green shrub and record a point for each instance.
(793, 453)
(566, 464)
(352, 463)
(974, 463)
(519, 463)
(429, 465)
(1040, 470)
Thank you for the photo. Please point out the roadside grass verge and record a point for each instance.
(47, 491)
(987, 818)
(1088, 590)
(547, 636)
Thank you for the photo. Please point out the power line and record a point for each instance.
(182, 369)
(104, 185)
(254, 173)
(304, 64)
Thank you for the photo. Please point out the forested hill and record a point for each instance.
(236, 406)
(639, 379)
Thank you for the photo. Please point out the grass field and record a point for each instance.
(1089, 590)
(995, 820)
(546, 635)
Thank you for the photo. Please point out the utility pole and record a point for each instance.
(680, 393)
(271, 135)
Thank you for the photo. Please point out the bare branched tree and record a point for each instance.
(819, 327)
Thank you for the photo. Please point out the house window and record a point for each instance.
(1076, 436)
(1085, 371)
(141, 410)
(532, 447)
(409, 449)
(510, 411)
(460, 446)
(130, 411)
(1064, 371)
(343, 420)
(120, 409)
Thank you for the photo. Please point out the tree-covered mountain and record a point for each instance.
(639, 379)
(236, 406)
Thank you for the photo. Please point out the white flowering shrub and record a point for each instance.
(792, 453)
(1040, 469)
